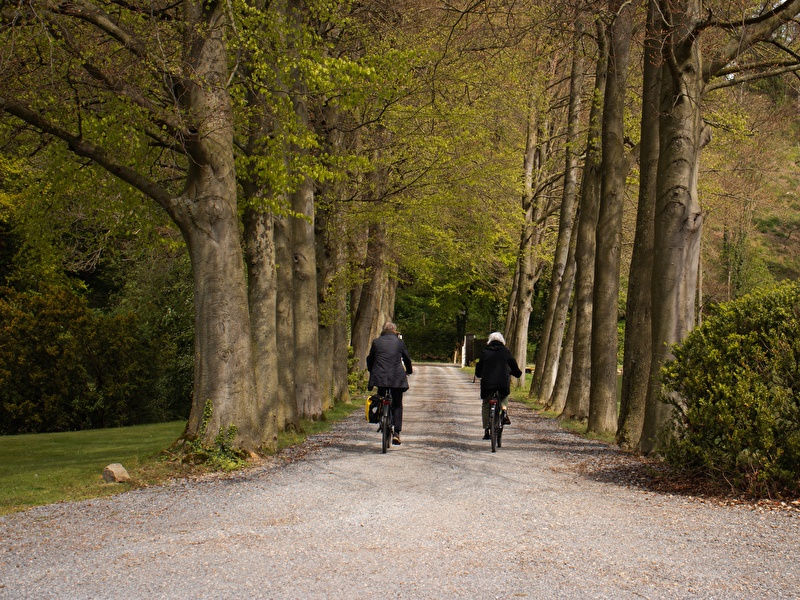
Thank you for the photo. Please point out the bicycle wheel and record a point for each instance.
(386, 429)
(493, 427)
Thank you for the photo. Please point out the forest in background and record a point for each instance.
(370, 160)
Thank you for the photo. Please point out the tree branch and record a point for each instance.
(724, 83)
(88, 12)
(97, 154)
(751, 33)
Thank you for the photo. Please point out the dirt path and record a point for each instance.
(438, 517)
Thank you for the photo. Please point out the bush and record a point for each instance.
(734, 386)
(65, 367)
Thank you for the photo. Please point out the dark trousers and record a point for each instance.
(397, 406)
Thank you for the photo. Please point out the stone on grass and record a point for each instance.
(115, 473)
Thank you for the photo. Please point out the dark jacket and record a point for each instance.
(494, 367)
(388, 363)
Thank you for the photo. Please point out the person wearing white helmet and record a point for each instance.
(495, 367)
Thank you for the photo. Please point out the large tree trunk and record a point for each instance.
(638, 321)
(577, 403)
(223, 371)
(288, 415)
(339, 292)
(326, 270)
(678, 216)
(554, 371)
(262, 296)
(367, 319)
(603, 394)
(558, 399)
(527, 270)
(615, 166)
(549, 350)
(306, 311)
(304, 260)
(207, 217)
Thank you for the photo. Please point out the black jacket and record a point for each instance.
(388, 363)
(494, 367)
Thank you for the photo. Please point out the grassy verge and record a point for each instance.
(309, 427)
(573, 426)
(37, 469)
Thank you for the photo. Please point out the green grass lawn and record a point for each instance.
(44, 468)
(38, 469)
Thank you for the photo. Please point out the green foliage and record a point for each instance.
(222, 455)
(735, 388)
(356, 380)
(64, 366)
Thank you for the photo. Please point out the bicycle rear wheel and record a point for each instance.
(386, 429)
(493, 413)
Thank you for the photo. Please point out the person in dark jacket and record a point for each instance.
(389, 365)
(494, 368)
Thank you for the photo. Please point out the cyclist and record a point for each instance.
(389, 365)
(494, 368)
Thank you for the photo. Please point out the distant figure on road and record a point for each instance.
(389, 365)
(494, 368)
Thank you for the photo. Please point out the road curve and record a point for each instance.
(438, 517)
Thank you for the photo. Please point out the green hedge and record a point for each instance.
(734, 386)
(65, 367)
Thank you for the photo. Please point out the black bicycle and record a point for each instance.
(386, 426)
(495, 422)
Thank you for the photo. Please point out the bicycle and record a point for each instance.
(386, 426)
(495, 422)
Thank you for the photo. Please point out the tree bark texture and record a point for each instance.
(638, 321)
(367, 319)
(558, 399)
(288, 413)
(549, 351)
(615, 165)
(262, 296)
(553, 370)
(338, 298)
(527, 270)
(325, 301)
(577, 403)
(306, 311)
(678, 216)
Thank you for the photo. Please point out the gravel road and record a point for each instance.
(440, 516)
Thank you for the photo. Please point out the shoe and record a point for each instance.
(396, 439)
(506, 420)
(486, 435)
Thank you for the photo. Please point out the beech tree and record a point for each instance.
(616, 163)
(638, 331)
(146, 93)
(175, 101)
(576, 405)
(689, 72)
(563, 272)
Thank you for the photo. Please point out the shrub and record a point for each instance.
(734, 387)
(66, 367)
